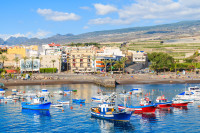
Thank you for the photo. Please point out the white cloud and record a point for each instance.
(156, 10)
(39, 34)
(104, 9)
(109, 20)
(85, 8)
(57, 16)
(85, 27)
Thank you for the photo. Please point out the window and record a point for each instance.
(88, 64)
(81, 60)
(81, 64)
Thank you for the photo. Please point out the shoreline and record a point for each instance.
(118, 82)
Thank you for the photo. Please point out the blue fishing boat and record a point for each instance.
(78, 100)
(37, 104)
(107, 111)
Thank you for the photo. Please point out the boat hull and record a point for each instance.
(122, 116)
(148, 109)
(44, 106)
(78, 100)
(164, 105)
(179, 104)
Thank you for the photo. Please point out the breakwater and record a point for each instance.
(50, 79)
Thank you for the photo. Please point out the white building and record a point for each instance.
(51, 49)
(110, 51)
(139, 56)
(46, 61)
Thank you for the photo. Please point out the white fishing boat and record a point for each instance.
(63, 102)
(136, 91)
(44, 93)
(58, 92)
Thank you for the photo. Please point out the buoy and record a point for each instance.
(168, 109)
(181, 108)
(65, 94)
(62, 110)
(71, 107)
(23, 91)
(81, 105)
(23, 99)
(15, 101)
(198, 106)
(31, 98)
(5, 102)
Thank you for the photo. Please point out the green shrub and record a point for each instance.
(48, 70)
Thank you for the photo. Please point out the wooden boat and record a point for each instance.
(78, 100)
(37, 104)
(107, 111)
(162, 102)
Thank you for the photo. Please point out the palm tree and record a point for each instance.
(93, 59)
(105, 62)
(40, 62)
(32, 58)
(118, 64)
(25, 58)
(67, 63)
(16, 59)
(59, 59)
(53, 61)
(123, 60)
(3, 58)
(111, 62)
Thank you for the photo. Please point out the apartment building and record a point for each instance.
(81, 59)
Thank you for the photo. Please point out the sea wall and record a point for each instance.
(49, 79)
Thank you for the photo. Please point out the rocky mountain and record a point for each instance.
(158, 32)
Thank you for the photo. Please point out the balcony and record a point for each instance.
(99, 61)
(100, 65)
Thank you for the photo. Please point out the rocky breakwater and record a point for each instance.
(105, 81)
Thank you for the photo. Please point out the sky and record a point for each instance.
(44, 18)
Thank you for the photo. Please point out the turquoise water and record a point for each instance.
(78, 119)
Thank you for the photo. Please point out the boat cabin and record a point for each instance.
(161, 99)
(39, 100)
(105, 108)
(193, 88)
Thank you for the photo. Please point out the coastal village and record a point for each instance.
(70, 59)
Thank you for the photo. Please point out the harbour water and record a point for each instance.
(78, 119)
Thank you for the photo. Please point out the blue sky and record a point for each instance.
(43, 18)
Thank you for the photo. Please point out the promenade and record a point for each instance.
(105, 80)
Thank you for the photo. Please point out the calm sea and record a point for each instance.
(78, 119)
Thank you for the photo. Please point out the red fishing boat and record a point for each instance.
(162, 102)
(179, 103)
(139, 109)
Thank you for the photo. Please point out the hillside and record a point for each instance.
(158, 32)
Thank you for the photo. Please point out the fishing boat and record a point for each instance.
(59, 92)
(57, 105)
(162, 102)
(146, 109)
(145, 101)
(44, 93)
(136, 91)
(2, 92)
(63, 102)
(107, 111)
(38, 103)
(67, 91)
(99, 98)
(78, 100)
(187, 95)
(179, 103)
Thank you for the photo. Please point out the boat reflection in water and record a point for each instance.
(36, 112)
(114, 126)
